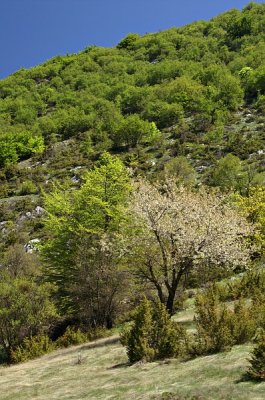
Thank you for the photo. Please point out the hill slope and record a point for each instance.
(104, 374)
(188, 100)
(196, 92)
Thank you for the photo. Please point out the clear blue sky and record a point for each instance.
(33, 31)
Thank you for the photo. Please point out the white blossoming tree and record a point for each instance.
(175, 229)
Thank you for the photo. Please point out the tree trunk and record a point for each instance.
(170, 302)
(172, 290)
(109, 322)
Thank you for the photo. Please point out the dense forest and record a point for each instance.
(131, 177)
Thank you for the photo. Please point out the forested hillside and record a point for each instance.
(194, 83)
(130, 171)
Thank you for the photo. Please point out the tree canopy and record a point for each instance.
(82, 225)
(176, 230)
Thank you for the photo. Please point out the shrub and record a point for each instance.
(26, 309)
(168, 337)
(27, 187)
(152, 335)
(71, 337)
(98, 333)
(250, 283)
(258, 309)
(220, 326)
(245, 286)
(244, 322)
(32, 347)
(214, 321)
(257, 369)
(137, 338)
(260, 104)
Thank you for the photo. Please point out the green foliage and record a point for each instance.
(152, 335)
(257, 361)
(137, 339)
(180, 169)
(21, 145)
(258, 308)
(220, 326)
(27, 187)
(247, 286)
(244, 321)
(17, 263)
(168, 337)
(213, 322)
(163, 114)
(223, 88)
(253, 207)
(190, 71)
(98, 333)
(228, 174)
(82, 225)
(71, 337)
(32, 347)
(25, 310)
(133, 130)
(95, 207)
(128, 41)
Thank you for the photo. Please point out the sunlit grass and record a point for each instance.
(105, 374)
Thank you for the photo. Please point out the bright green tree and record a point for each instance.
(133, 130)
(253, 207)
(83, 224)
(19, 145)
(228, 174)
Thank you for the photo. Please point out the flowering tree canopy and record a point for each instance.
(177, 229)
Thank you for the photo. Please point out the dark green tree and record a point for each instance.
(257, 369)
(152, 335)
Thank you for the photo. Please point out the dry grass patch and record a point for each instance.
(99, 370)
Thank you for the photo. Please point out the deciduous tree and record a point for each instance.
(176, 230)
(80, 254)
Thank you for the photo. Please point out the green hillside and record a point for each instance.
(195, 92)
(132, 188)
(189, 81)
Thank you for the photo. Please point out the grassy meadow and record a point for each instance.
(99, 370)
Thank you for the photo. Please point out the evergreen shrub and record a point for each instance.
(257, 368)
(152, 335)
(220, 326)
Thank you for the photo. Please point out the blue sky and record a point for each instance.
(33, 31)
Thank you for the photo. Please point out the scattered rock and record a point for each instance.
(200, 168)
(39, 210)
(30, 247)
(75, 179)
(75, 169)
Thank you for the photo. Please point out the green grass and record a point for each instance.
(104, 374)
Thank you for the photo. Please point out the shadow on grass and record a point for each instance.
(175, 396)
(247, 378)
(120, 365)
(93, 345)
